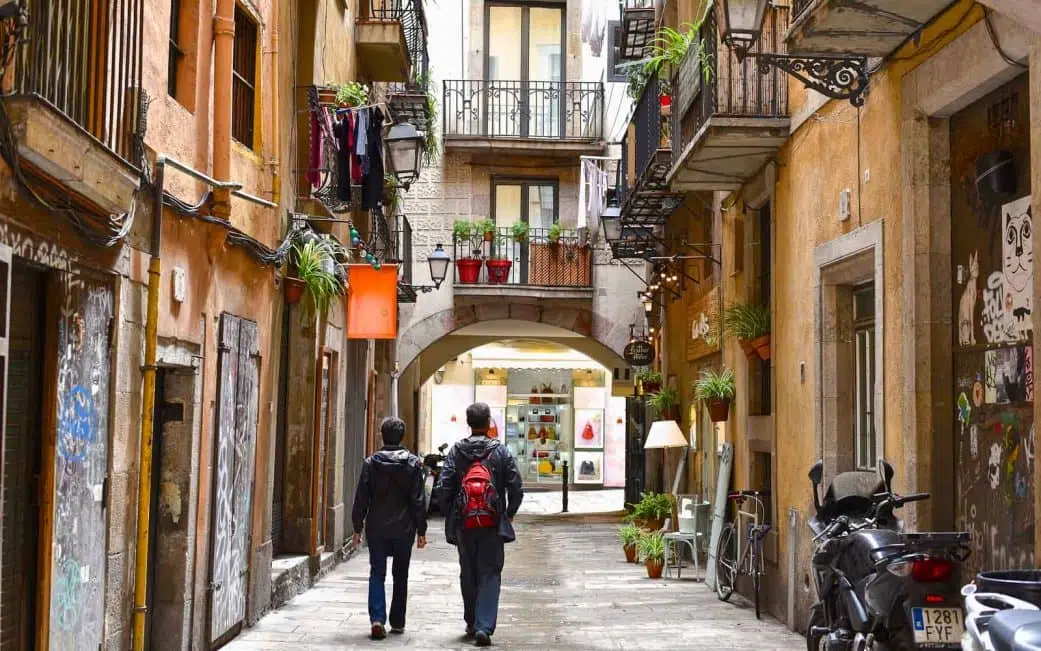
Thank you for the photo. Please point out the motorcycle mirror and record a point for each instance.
(442, 447)
(817, 473)
(885, 473)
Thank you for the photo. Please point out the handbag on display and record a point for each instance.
(587, 432)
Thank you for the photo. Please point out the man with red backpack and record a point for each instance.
(481, 490)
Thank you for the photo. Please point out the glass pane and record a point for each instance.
(507, 205)
(864, 303)
(540, 208)
(544, 71)
(504, 43)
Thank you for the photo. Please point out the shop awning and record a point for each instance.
(499, 356)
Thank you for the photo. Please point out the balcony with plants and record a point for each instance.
(729, 118)
(69, 117)
(871, 29)
(538, 262)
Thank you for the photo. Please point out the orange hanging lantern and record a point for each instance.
(372, 303)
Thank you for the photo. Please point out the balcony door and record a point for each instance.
(531, 202)
(524, 70)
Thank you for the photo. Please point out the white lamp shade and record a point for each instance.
(665, 434)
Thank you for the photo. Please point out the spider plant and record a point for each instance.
(664, 400)
(628, 534)
(352, 93)
(316, 267)
(651, 546)
(747, 321)
(715, 385)
(431, 144)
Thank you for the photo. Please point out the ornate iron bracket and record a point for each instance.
(833, 76)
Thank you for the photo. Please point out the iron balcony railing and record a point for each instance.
(413, 21)
(531, 260)
(648, 124)
(799, 7)
(402, 236)
(733, 88)
(548, 110)
(83, 57)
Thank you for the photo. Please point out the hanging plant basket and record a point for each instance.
(719, 410)
(469, 270)
(294, 290)
(498, 271)
(749, 348)
(762, 346)
(655, 567)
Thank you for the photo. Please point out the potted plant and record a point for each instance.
(650, 381)
(651, 547)
(486, 229)
(469, 267)
(751, 325)
(555, 231)
(499, 269)
(629, 535)
(650, 512)
(351, 94)
(520, 230)
(716, 389)
(315, 270)
(666, 401)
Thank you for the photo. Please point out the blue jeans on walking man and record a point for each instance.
(400, 549)
(481, 558)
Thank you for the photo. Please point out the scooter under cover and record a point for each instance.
(1016, 630)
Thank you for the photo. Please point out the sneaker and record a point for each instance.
(378, 632)
(397, 630)
(469, 634)
(483, 639)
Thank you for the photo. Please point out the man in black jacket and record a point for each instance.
(391, 505)
(481, 553)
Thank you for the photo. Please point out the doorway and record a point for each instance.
(22, 460)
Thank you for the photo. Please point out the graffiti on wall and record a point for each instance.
(81, 465)
(1007, 298)
(1006, 375)
(967, 306)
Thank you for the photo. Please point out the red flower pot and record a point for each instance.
(469, 270)
(498, 271)
(294, 290)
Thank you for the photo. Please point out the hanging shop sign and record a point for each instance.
(372, 303)
(639, 353)
(703, 325)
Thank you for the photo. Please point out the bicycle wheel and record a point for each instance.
(726, 562)
(756, 572)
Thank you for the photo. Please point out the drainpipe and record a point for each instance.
(144, 483)
(276, 164)
(223, 46)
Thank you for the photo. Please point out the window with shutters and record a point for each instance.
(181, 56)
(244, 76)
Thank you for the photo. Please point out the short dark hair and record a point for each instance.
(478, 417)
(393, 430)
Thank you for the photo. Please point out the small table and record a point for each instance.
(679, 538)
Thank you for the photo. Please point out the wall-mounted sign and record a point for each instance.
(639, 353)
(703, 317)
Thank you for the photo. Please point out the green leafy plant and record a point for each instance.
(664, 400)
(651, 546)
(352, 93)
(555, 231)
(462, 230)
(715, 385)
(747, 321)
(431, 144)
(315, 262)
(652, 506)
(629, 534)
(649, 376)
(484, 227)
(520, 230)
(668, 51)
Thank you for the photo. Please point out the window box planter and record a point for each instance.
(469, 270)
(498, 271)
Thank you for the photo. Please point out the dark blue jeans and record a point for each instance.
(379, 549)
(481, 557)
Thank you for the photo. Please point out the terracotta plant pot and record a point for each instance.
(294, 290)
(489, 236)
(326, 95)
(469, 270)
(651, 524)
(762, 346)
(630, 553)
(749, 348)
(719, 410)
(655, 567)
(498, 271)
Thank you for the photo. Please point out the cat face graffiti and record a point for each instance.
(1017, 247)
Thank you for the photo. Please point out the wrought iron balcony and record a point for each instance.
(534, 110)
(392, 40)
(873, 28)
(83, 59)
(534, 260)
(726, 126)
(637, 28)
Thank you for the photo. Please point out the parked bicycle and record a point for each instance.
(738, 555)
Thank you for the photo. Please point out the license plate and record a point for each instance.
(937, 625)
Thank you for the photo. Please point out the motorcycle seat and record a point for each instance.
(1015, 630)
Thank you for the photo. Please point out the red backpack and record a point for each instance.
(479, 497)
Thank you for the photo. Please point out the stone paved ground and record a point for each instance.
(566, 586)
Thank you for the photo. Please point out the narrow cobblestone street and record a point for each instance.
(566, 586)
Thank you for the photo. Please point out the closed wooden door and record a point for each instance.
(235, 445)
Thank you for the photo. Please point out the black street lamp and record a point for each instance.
(438, 261)
(611, 220)
(837, 77)
(405, 146)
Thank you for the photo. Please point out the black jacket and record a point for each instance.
(505, 476)
(391, 497)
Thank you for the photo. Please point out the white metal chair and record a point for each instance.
(690, 534)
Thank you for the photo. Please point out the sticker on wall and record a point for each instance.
(977, 392)
(1005, 373)
(1008, 297)
(967, 306)
(974, 441)
(1028, 372)
(964, 409)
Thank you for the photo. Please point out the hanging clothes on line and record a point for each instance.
(594, 25)
(372, 162)
(592, 193)
(343, 129)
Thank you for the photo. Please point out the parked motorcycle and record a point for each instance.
(879, 588)
(1002, 611)
(433, 463)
